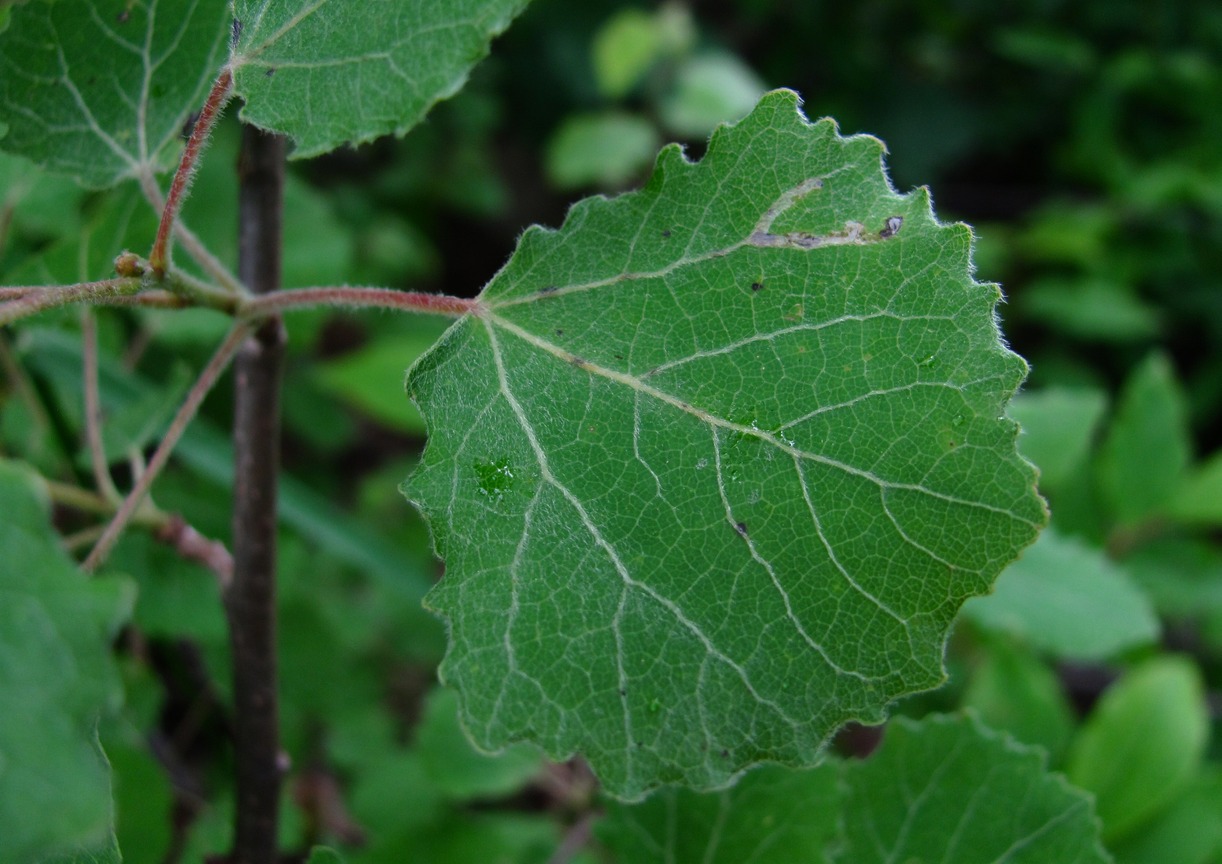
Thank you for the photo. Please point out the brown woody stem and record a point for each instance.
(251, 599)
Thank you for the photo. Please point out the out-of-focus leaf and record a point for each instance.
(209, 453)
(1058, 425)
(1147, 449)
(56, 679)
(1069, 600)
(1189, 831)
(324, 855)
(454, 767)
(1199, 497)
(948, 789)
(1014, 692)
(1182, 576)
(1090, 309)
(607, 149)
(1142, 744)
(709, 89)
(771, 814)
(364, 377)
(624, 49)
(38, 205)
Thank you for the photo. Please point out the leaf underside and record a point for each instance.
(713, 466)
(100, 89)
(333, 72)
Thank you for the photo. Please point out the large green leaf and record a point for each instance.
(333, 72)
(100, 89)
(949, 789)
(772, 814)
(713, 467)
(56, 677)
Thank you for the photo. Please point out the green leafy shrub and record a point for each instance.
(713, 467)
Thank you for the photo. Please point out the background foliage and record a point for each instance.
(1081, 142)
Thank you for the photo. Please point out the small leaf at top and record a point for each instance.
(713, 466)
(332, 72)
(100, 89)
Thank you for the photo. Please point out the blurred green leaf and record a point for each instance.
(1147, 449)
(1089, 308)
(951, 790)
(1067, 599)
(1199, 497)
(709, 89)
(324, 855)
(1014, 692)
(1058, 428)
(1181, 575)
(57, 678)
(770, 814)
(453, 765)
(607, 149)
(1189, 831)
(1142, 744)
(624, 49)
(370, 379)
(207, 451)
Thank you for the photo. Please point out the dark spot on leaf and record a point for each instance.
(757, 286)
(577, 361)
(741, 528)
(725, 754)
(894, 223)
(550, 289)
(559, 332)
(270, 72)
(623, 692)
(619, 356)
(124, 16)
(666, 233)
(235, 32)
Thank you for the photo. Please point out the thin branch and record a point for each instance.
(222, 89)
(379, 298)
(195, 247)
(34, 299)
(185, 414)
(93, 408)
(193, 546)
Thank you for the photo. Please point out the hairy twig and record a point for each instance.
(33, 299)
(222, 89)
(178, 425)
(378, 298)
